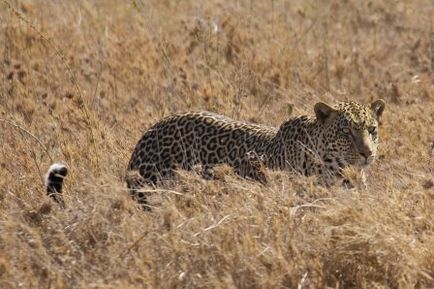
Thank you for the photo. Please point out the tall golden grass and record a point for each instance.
(82, 80)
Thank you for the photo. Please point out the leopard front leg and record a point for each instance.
(252, 167)
(357, 183)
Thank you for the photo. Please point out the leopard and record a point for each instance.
(322, 145)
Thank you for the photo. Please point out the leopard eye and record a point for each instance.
(346, 130)
(372, 130)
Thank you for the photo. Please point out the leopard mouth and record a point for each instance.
(360, 161)
(364, 162)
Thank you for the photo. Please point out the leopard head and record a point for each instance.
(350, 131)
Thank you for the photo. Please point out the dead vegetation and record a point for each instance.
(81, 81)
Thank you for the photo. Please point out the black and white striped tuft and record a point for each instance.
(54, 182)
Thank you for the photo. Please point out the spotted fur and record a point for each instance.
(337, 137)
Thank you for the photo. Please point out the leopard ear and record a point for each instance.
(378, 108)
(323, 111)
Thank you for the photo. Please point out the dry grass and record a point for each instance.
(81, 81)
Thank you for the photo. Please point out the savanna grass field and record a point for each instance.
(82, 80)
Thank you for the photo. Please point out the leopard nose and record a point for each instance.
(366, 153)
